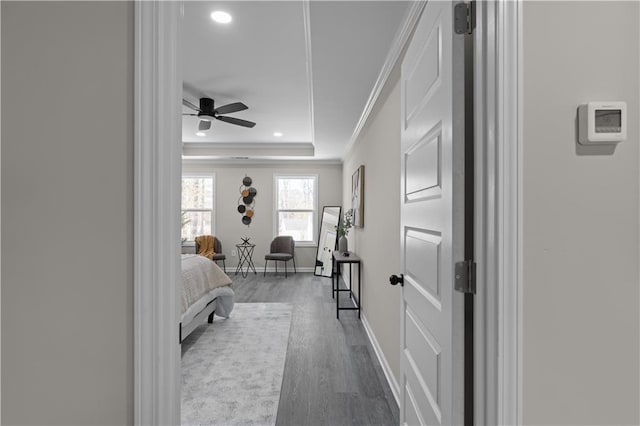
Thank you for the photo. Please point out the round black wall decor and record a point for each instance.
(247, 202)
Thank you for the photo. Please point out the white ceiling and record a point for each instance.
(305, 69)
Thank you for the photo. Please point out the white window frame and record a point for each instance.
(314, 211)
(212, 176)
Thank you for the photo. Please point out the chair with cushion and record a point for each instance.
(211, 247)
(282, 249)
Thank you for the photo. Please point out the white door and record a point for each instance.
(432, 219)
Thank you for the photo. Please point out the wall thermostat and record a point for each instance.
(602, 123)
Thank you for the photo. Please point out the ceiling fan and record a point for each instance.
(206, 112)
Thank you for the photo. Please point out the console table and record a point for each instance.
(245, 259)
(341, 259)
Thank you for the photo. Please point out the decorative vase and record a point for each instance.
(343, 244)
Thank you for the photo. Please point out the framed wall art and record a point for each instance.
(357, 197)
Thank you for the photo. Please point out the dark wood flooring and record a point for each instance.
(332, 376)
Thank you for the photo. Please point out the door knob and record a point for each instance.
(394, 279)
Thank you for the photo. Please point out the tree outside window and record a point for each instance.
(197, 206)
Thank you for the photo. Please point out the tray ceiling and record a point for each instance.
(304, 69)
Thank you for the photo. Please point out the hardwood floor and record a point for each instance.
(332, 376)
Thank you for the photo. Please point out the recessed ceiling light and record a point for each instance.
(221, 17)
(201, 134)
(277, 134)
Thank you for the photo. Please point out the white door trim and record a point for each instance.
(157, 168)
(510, 137)
(498, 318)
(0, 222)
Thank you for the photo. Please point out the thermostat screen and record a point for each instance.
(608, 121)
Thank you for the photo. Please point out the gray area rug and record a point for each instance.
(232, 371)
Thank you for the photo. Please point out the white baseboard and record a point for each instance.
(260, 269)
(393, 383)
(289, 269)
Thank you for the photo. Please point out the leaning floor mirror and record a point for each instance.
(327, 240)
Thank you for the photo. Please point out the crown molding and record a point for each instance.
(306, 16)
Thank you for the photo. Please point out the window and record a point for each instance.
(296, 207)
(197, 206)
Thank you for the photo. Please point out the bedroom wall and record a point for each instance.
(229, 228)
(580, 222)
(378, 242)
(67, 213)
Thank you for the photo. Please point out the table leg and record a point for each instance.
(350, 282)
(337, 292)
(334, 274)
(359, 299)
(250, 262)
(245, 262)
(240, 261)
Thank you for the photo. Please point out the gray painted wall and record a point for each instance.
(378, 242)
(229, 228)
(581, 255)
(67, 213)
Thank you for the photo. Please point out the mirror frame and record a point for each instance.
(318, 264)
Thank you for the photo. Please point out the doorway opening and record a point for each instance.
(158, 166)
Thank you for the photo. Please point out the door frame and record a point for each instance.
(498, 222)
(157, 171)
(157, 177)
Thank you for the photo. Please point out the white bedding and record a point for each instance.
(204, 281)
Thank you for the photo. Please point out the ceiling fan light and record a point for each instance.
(201, 134)
(277, 134)
(221, 17)
(204, 125)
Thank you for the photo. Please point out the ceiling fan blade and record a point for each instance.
(204, 125)
(237, 121)
(234, 107)
(190, 105)
(192, 115)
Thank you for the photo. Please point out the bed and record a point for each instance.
(205, 289)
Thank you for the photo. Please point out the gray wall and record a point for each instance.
(67, 213)
(378, 242)
(229, 228)
(580, 218)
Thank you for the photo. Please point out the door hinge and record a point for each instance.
(465, 277)
(464, 17)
